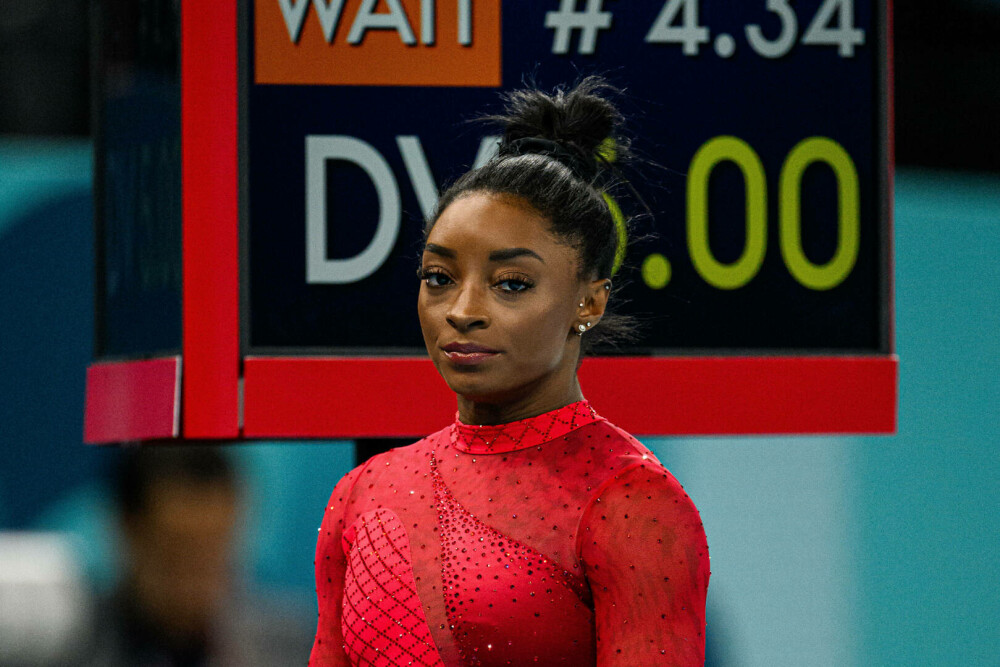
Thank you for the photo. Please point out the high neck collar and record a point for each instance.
(530, 432)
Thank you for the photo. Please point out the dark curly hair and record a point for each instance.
(561, 153)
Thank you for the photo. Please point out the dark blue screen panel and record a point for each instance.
(775, 115)
(137, 177)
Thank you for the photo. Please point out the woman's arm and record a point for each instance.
(331, 563)
(644, 552)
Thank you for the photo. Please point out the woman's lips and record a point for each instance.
(468, 354)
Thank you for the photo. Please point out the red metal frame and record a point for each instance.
(133, 400)
(370, 397)
(210, 182)
(404, 397)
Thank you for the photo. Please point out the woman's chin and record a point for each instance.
(471, 389)
(477, 387)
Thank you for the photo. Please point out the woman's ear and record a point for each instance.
(595, 301)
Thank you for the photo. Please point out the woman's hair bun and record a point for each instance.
(580, 119)
(561, 154)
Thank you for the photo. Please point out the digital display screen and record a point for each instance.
(760, 127)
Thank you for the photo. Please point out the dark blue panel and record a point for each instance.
(675, 103)
(138, 178)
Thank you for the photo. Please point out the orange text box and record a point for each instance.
(393, 43)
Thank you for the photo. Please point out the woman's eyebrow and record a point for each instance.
(511, 253)
(439, 250)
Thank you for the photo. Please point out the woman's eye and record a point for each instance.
(514, 285)
(434, 278)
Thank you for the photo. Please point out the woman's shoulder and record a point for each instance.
(421, 449)
(619, 467)
(632, 488)
(614, 448)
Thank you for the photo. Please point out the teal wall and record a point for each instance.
(825, 550)
(928, 500)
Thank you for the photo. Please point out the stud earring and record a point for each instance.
(581, 304)
(582, 329)
(588, 325)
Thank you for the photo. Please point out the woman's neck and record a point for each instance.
(526, 404)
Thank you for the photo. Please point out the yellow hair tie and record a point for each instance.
(619, 218)
(608, 150)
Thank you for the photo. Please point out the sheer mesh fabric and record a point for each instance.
(558, 540)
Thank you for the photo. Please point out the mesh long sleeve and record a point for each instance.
(645, 556)
(331, 564)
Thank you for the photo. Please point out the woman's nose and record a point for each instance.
(468, 310)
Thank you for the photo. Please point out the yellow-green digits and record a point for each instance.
(740, 272)
(829, 275)
(806, 152)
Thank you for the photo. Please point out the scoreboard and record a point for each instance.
(285, 168)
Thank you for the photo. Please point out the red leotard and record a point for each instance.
(558, 539)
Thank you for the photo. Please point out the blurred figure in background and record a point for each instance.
(176, 605)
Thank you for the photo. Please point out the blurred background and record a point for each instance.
(825, 550)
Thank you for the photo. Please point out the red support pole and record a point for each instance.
(210, 219)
